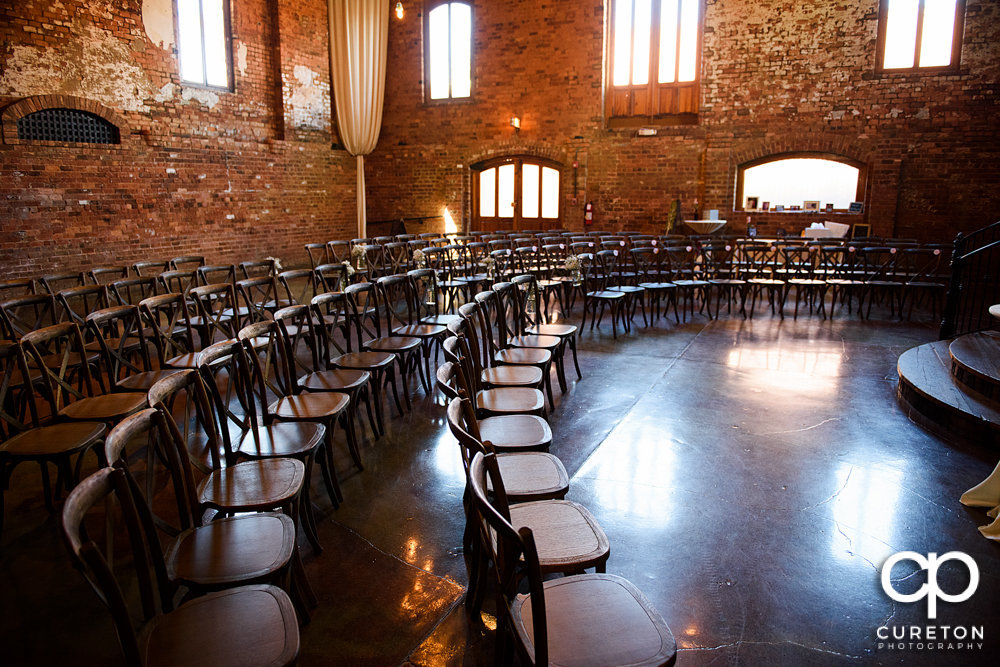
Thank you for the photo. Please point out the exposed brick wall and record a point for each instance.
(252, 173)
(776, 76)
(232, 176)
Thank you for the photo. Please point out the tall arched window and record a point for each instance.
(516, 193)
(448, 51)
(792, 179)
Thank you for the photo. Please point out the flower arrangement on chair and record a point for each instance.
(359, 253)
(572, 264)
(490, 266)
(420, 258)
(277, 263)
(350, 272)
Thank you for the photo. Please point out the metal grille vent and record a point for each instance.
(69, 125)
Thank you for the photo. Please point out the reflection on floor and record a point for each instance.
(752, 477)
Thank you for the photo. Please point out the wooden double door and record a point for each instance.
(517, 193)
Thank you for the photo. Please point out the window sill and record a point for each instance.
(633, 122)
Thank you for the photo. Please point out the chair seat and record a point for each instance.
(597, 620)
(507, 376)
(203, 631)
(567, 535)
(281, 439)
(334, 380)
(189, 360)
(524, 356)
(511, 433)
(552, 330)
(510, 400)
(626, 289)
(420, 330)
(606, 294)
(357, 360)
(254, 485)
(393, 344)
(441, 320)
(308, 406)
(531, 476)
(67, 438)
(107, 407)
(531, 341)
(658, 286)
(143, 381)
(232, 550)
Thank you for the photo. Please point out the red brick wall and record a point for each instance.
(777, 76)
(252, 173)
(231, 176)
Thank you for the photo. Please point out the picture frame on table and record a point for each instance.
(779, 208)
(751, 203)
(856, 207)
(765, 206)
(860, 231)
(829, 208)
(810, 206)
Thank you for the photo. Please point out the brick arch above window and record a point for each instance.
(858, 150)
(518, 149)
(29, 105)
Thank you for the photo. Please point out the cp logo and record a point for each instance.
(930, 590)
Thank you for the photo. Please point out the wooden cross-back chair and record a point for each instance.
(404, 319)
(168, 326)
(270, 374)
(27, 313)
(598, 619)
(597, 296)
(59, 351)
(105, 275)
(187, 263)
(121, 334)
(653, 279)
(23, 438)
(78, 302)
(240, 433)
(151, 267)
(55, 282)
(131, 291)
(194, 633)
(246, 549)
(338, 333)
(11, 289)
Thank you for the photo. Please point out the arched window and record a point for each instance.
(516, 193)
(790, 180)
(448, 51)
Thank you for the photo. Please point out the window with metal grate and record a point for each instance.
(68, 125)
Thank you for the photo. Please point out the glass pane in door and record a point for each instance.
(487, 193)
(529, 191)
(505, 200)
(550, 192)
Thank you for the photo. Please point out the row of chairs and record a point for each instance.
(518, 523)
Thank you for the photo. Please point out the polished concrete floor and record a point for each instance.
(752, 477)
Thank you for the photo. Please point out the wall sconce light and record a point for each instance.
(399, 10)
(515, 123)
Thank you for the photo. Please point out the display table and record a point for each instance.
(705, 226)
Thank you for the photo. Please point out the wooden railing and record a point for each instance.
(975, 283)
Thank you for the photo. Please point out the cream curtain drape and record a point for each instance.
(359, 36)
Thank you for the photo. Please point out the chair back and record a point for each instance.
(119, 331)
(78, 302)
(105, 275)
(56, 282)
(512, 551)
(225, 372)
(297, 326)
(187, 263)
(334, 328)
(10, 289)
(648, 263)
(259, 296)
(398, 296)
(130, 291)
(57, 351)
(270, 360)
(218, 311)
(27, 313)
(178, 281)
(318, 254)
(800, 262)
(150, 267)
(881, 264)
(297, 285)
(338, 251)
(213, 275)
(96, 492)
(15, 392)
(259, 268)
(921, 266)
(333, 277)
(167, 319)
